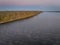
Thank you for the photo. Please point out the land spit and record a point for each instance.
(8, 16)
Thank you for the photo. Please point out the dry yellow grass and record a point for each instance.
(7, 16)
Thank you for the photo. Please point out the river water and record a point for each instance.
(42, 29)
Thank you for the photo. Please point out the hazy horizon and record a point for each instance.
(44, 5)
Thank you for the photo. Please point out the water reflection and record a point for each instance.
(43, 29)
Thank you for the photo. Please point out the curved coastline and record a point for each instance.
(9, 16)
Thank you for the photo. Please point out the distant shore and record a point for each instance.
(8, 16)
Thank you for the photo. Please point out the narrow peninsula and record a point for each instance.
(8, 16)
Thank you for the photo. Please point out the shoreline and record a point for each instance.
(9, 16)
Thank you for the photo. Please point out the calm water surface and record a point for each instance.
(43, 29)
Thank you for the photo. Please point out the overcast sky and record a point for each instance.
(30, 2)
(48, 3)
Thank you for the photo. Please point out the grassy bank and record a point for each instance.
(7, 16)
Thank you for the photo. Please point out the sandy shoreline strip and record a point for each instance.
(8, 16)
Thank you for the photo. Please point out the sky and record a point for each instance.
(45, 5)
